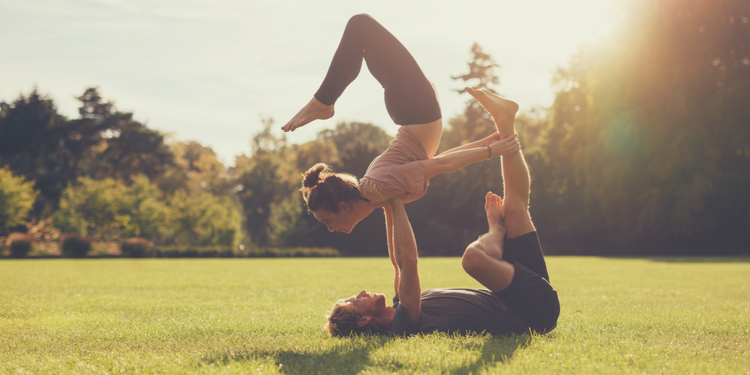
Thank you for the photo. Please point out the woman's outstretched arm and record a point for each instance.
(486, 141)
(457, 159)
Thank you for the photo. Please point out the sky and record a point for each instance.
(210, 71)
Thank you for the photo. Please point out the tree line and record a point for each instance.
(645, 150)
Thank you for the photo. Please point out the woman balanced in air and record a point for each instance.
(340, 201)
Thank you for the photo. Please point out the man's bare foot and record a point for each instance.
(503, 111)
(493, 205)
(314, 110)
(492, 242)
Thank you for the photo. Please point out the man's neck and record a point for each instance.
(385, 320)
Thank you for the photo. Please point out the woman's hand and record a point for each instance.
(506, 146)
(492, 138)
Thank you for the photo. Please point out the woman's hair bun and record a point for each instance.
(312, 176)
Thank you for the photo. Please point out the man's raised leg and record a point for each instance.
(516, 181)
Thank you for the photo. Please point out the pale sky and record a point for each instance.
(210, 70)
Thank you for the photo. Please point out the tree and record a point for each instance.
(38, 143)
(200, 218)
(32, 144)
(450, 215)
(114, 144)
(357, 144)
(652, 122)
(194, 168)
(16, 199)
(263, 181)
(148, 215)
(93, 207)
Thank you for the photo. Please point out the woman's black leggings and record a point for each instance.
(409, 96)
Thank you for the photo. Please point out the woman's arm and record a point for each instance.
(486, 141)
(389, 233)
(405, 252)
(461, 158)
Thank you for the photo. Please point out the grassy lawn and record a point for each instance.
(661, 315)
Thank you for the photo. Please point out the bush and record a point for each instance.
(295, 252)
(195, 252)
(136, 247)
(76, 247)
(20, 248)
(229, 252)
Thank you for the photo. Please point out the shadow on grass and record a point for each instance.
(496, 349)
(350, 358)
(353, 356)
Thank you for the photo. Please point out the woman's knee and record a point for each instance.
(359, 19)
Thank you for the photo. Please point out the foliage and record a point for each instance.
(145, 212)
(76, 246)
(53, 151)
(20, 248)
(34, 140)
(110, 209)
(16, 199)
(622, 316)
(123, 147)
(204, 219)
(195, 168)
(453, 205)
(649, 127)
(136, 247)
(263, 181)
(92, 207)
(229, 252)
(646, 148)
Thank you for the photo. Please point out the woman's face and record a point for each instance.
(342, 221)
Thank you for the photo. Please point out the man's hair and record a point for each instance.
(342, 320)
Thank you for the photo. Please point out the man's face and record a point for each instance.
(368, 304)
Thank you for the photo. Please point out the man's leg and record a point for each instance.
(483, 259)
(522, 245)
(516, 179)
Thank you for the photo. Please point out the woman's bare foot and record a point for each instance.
(314, 110)
(503, 111)
(493, 205)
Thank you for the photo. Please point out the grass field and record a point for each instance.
(674, 316)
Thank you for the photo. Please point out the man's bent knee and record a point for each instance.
(473, 257)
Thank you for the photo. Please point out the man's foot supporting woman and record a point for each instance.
(314, 110)
(502, 110)
(483, 259)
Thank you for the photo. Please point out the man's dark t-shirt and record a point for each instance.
(458, 310)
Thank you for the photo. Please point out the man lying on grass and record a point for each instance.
(507, 260)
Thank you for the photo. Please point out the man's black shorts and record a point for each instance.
(530, 295)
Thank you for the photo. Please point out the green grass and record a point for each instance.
(675, 316)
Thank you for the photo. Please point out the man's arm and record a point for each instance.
(389, 234)
(405, 252)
